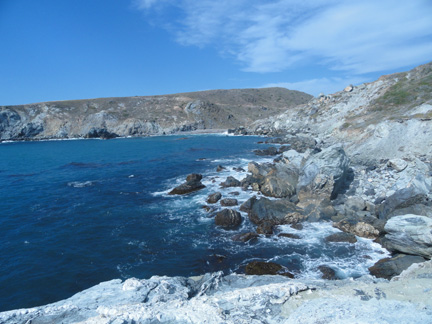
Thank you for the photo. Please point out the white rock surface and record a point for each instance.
(237, 299)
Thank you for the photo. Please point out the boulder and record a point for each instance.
(214, 198)
(327, 272)
(341, 237)
(271, 151)
(245, 237)
(265, 228)
(276, 212)
(220, 168)
(390, 267)
(293, 158)
(231, 182)
(349, 88)
(301, 143)
(229, 202)
(265, 268)
(228, 218)
(323, 174)
(397, 164)
(410, 234)
(368, 227)
(193, 183)
(280, 182)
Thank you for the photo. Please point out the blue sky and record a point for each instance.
(76, 49)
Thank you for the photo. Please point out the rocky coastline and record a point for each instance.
(360, 159)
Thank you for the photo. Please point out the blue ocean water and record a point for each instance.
(75, 213)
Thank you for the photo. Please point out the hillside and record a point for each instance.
(140, 116)
(387, 118)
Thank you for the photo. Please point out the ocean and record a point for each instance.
(74, 213)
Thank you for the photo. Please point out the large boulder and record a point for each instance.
(390, 267)
(280, 182)
(229, 202)
(275, 212)
(214, 197)
(193, 183)
(411, 234)
(323, 174)
(368, 227)
(231, 182)
(228, 219)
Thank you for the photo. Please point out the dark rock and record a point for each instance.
(271, 151)
(341, 237)
(289, 235)
(280, 182)
(214, 198)
(100, 133)
(208, 209)
(247, 205)
(231, 182)
(228, 218)
(31, 130)
(301, 143)
(390, 267)
(276, 212)
(265, 228)
(234, 193)
(265, 268)
(327, 273)
(220, 168)
(297, 226)
(245, 237)
(239, 169)
(193, 183)
(229, 202)
(283, 148)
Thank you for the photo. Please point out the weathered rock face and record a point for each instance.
(368, 227)
(280, 182)
(323, 174)
(140, 116)
(390, 267)
(411, 234)
(193, 183)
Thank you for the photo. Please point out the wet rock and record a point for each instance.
(265, 228)
(193, 183)
(231, 182)
(390, 267)
(220, 168)
(245, 237)
(327, 272)
(289, 235)
(271, 151)
(234, 193)
(411, 234)
(214, 198)
(229, 202)
(276, 212)
(297, 226)
(341, 237)
(265, 268)
(208, 209)
(228, 219)
(323, 174)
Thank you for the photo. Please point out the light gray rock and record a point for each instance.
(323, 173)
(411, 234)
(216, 299)
(397, 164)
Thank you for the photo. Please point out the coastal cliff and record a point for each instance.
(142, 116)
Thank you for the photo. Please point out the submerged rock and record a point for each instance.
(327, 272)
(245, 237)
(265, 268)
(193, 183)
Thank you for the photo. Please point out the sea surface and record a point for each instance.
(78, 212)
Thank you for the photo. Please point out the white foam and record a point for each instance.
(78, 184)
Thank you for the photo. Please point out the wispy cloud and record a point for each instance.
(271, 36)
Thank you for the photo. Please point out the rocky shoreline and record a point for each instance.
(361, 159)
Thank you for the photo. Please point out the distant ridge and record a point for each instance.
(145, 115)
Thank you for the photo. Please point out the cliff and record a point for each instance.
(141, 116)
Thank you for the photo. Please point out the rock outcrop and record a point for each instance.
(193, 183)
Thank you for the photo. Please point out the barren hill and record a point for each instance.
(149, 115)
